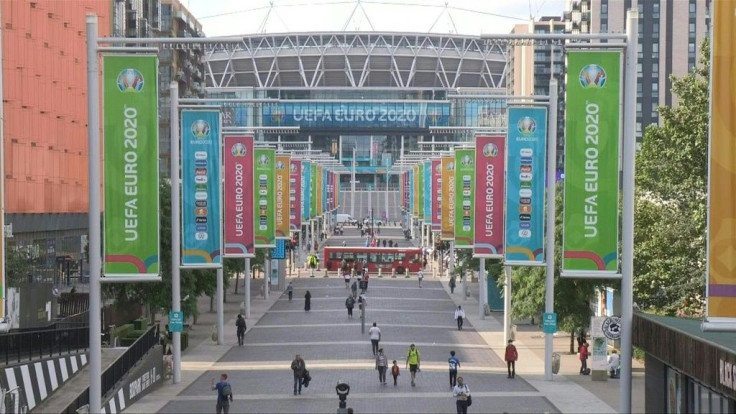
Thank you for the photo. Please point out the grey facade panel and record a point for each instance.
(44, 222)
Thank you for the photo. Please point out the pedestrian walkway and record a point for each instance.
(335, 350)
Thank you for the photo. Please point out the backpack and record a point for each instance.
(350, 302)
(227, 392)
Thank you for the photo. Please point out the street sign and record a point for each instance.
(176, 321)
(549, 322)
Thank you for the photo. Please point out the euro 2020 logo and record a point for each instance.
(238, 150)
(526, 125)
(490, 150)
(467, 160)
(592, 76)
(263, 160)
(130, 80)
(200, 129)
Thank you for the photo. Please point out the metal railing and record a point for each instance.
(14, 401)
(27, 346)
(117, 371)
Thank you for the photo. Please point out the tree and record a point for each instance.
(671, 192)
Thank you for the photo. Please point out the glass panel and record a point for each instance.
(373, 258)
(704, 399)
(361, 256)
(400, 257)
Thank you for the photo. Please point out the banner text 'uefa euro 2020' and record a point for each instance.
(357, 114)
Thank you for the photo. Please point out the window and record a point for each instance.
(638, 107)
(692, 8)
(655, 69)
(655, 88)
(655, 11)
(692, 27)
(638, 68)
(604, 27)
(604, 8)
(691, 47)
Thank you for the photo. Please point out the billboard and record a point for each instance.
(238, 196)
(264, 197)
(281, 185)
(427, 191)
(436, 201)
(420, 190)
(295, 195)
(592, 128)
(464, 197)
(448, 198)
(490, 157)
(201, 233)
(306, 190)
(526, 156)
(721, 234)
(131, 186)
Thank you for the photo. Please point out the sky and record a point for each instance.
(468, 17)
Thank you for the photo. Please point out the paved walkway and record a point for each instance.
(335, 349)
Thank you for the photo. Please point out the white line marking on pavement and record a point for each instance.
(372, 395)
(372, 286)
(372, 310)
(369, 297)
(322, 365)
(383, 325)
(406, 344)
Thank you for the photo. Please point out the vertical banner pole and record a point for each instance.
(266, 276)
(95, 259)
(627, 252)
(506, 304)
(549, 298)
(451, 268)
(246, 276)
(481, 290)
(175, 224)
(220, 307)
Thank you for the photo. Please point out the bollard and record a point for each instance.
(325, 273)
(393, 273)
(379, 272)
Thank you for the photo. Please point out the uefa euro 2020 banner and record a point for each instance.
(131, 236)
(265, 197)
(436, 200)
(592, 130)
(420, 190)
(427, 192)
(464, 197)
(490, 157)
(282, 196)
(527, 139)
(721, 283)
(201, 235)
(306, 190)
(238, 196)
(448, 198)
(295, 195)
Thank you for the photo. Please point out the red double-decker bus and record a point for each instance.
(402, 259)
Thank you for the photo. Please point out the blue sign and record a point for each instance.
(526, 156)
(549, 322)
(201, 220)
(427, 192)
(176, 321)
(279, 252)
(306, 189)
(368, 115)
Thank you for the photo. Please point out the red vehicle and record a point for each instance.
(402, 259)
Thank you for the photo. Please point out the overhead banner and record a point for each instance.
(238, 196)
(490, 156)
(527, 141)
(448, 198)
(306, 190)
(281, 175)
(427, 191)
(592, 128)
(131, 186)
(464, 197)
(201, 233)
(295, 195)
(265, 198)
(721, 283)
(436, 200)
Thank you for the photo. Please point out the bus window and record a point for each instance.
(361, 257)
(400, 257)
(373, 257)
(335, 255)
(388, 258)
(348, 256)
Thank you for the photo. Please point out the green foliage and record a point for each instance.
(671, 192)
(17, 263)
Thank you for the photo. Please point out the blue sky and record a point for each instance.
(472, 17)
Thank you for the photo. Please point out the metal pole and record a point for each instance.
(175, 224)
(246, 275)
(267, 276)
(549, 298)
(451, 267)
(507, 304)
(481, 285)
(220, 297)
(95, 260)
(627, 253)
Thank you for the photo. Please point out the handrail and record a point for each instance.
(18, 347)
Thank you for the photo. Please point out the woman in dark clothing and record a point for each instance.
(307, 301)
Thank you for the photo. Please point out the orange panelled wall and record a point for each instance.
(45, 103)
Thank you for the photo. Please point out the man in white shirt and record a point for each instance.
(614, 360)
(459, 316)
(375, 335)
(461, 392)
(420, 276)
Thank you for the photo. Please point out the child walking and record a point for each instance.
(395, 371)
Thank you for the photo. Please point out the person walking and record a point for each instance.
(461, 392)
(395, 371)
(375, 334)
(224, 394)
(420, 276)
(454, 365)
(290, 290)
(381, 366)
(350, 303)
(452, 284)
(584, 358)
(354, 288)
(307, 301)
(412, 362)
(240, 325)
(299, 368)
(510, 357)
(459, 316)
(346, 276)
